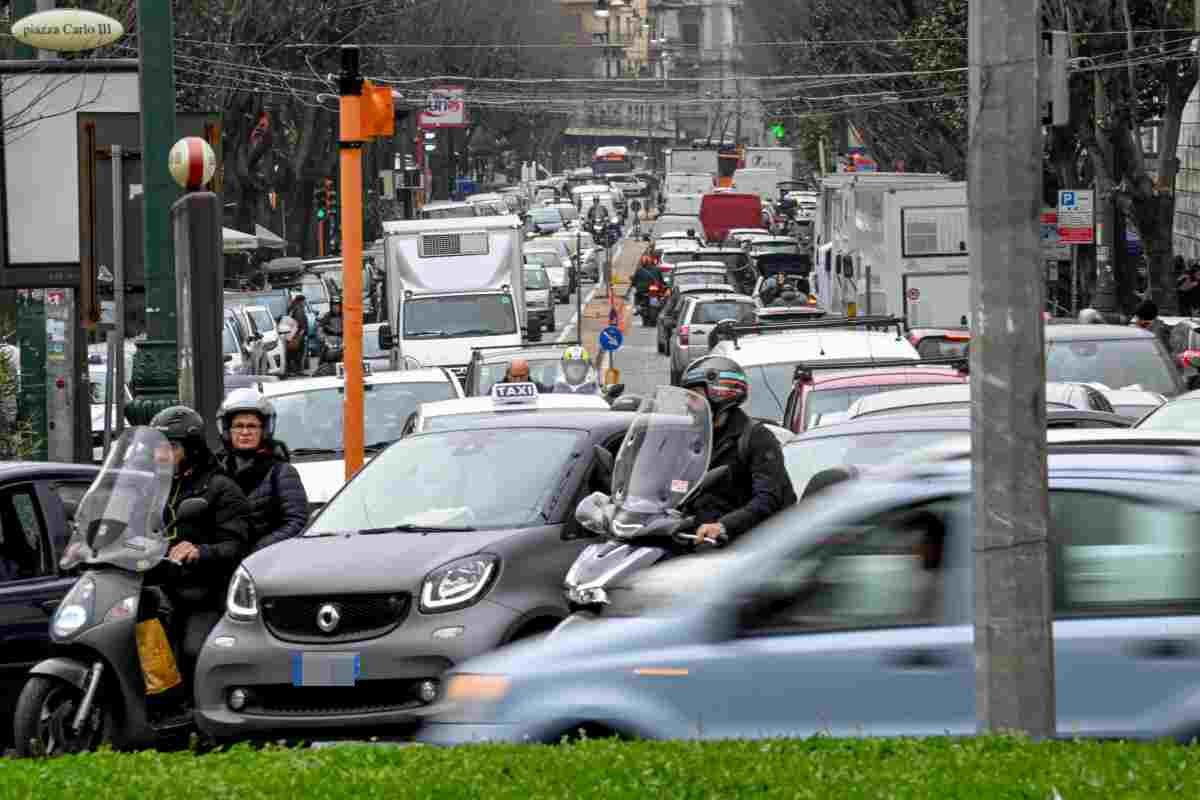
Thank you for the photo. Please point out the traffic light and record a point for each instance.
(319, 202)
(778, 131)
(331, 200)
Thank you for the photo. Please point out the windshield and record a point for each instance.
(806, 457)
(828, 401)
(764, 249)
(262, 320)
(547, 258)
(678, 257)
(714, 312)
(1180, 415)
(276, 302)
(449, 317)
(665, 451)
(693, 278)
(313, 420)
(453, 212)
(451, 479)
(550, 215)
(544, 371)
(119, 520)
(535, 279)
(1116, 363)
(769, 385)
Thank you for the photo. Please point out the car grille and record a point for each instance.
(367, 697)
(363, 616)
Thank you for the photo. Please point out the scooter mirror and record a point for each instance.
(604, 462)
(590, 512)
(191, 509)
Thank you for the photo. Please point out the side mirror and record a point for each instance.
(386, 340)
(591, 512)
(228, 357)
(613, 392)
(191, 509)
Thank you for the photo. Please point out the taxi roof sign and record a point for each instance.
(514, 394)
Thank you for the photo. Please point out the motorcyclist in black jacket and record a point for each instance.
(758, 484)
(209, 547)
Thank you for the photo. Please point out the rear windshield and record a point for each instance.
(941, 347)
(1116, 363)
(546, 215)
(833, 400)
(454, 212)
(717, 310)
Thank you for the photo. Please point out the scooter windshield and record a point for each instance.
(120, 519)
(665, 452)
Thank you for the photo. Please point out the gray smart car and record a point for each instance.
(445, 546)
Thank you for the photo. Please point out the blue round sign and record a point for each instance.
(611, 339)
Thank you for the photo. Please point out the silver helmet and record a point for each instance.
(245, 401)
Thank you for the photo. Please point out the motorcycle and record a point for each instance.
(660, 471)
(93, 690)
(651, 303)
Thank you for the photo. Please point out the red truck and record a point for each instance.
(720, 212)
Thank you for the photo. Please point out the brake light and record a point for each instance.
(683, 335)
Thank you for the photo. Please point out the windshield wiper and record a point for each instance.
(410, 528)
(316, 451)
(415, 334)
(477, 332)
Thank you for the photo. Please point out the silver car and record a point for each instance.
(700, 312)
(852, 616)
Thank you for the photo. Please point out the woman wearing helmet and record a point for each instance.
(208, 547)
(758, 484)
(260, 465)
(576, 373)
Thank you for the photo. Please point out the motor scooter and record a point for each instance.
(652, 302)
(659, 473)
(92, 691)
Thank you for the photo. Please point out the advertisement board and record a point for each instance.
(445, 108)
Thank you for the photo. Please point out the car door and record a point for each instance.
(1127, 599)
(30, 587)
(866, 635)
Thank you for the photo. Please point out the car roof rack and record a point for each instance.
(805, 369)
(729, 330)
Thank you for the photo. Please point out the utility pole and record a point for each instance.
(156, 363)
(1014, 661)
(1104, 296)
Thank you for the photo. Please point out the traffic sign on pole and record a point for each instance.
(1076, 222)
(611, 339)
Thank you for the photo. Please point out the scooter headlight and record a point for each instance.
(76, 609)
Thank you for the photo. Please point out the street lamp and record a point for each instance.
(601, 9)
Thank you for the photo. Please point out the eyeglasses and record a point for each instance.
(247, 428)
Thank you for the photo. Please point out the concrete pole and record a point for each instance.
(1013, 643)
(117, 367)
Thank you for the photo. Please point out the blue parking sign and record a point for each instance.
(1067, 199)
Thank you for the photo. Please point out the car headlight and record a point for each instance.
(76, 608)
(242, 601)
(458, 584)
(468, 687)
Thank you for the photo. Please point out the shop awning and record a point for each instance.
(238, 242)
(269, 240)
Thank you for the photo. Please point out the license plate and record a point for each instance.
(653, 301)
(325, 669)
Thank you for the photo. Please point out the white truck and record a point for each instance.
(452, 285)
(682, 159)
(894, 243)
(762, 182)
(688, 183)
(785, 161)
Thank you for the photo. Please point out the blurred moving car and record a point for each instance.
(957, 397)
(857, 608)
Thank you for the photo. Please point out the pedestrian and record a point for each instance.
(296, 344)
(1188, 285)
(261, 466)
(1145, 316)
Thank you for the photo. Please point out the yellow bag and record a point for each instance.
(158, 662)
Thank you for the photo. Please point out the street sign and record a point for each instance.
(67, 30)
(446, 108)
(1076, 223)
(611, 339)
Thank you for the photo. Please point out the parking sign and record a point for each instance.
(1075, 219)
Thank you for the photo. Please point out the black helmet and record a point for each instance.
(179, 424)
(723, 380)
(245, 401)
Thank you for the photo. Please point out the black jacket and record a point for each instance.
(645, 276)
(753, 491)
(274, 492)
(222, 534)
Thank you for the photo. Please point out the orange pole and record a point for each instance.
(321, 238)
(352, 288)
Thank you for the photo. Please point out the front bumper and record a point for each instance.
(391, 668)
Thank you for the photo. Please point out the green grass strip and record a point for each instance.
(881, 769)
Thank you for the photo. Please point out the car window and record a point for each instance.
(313, 420)
(769, 386)
(541, 370)
(717, 310)
(23, 552)
(888, 572)
(228, 341)
(824, 401)
(1117, 555)
(941, 347)
(1116, 363)
(261, 319)
(808, 456)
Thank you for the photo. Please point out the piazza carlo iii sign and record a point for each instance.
(67, 30)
